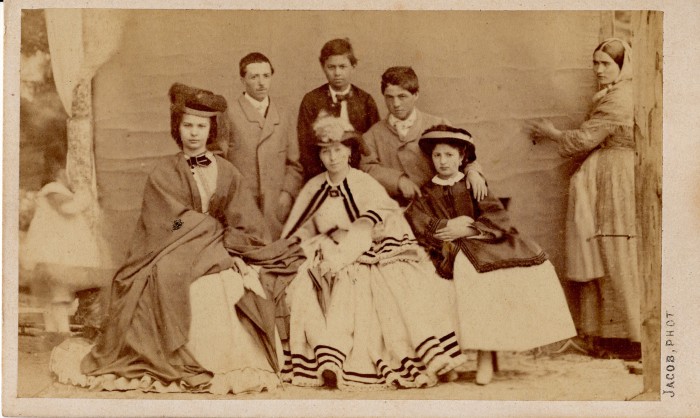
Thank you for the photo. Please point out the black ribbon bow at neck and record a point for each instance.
(342, 97)
(199, 160)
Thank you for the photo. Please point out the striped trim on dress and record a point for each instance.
(303, 371)
(434, 355)
(405, 248)
(311, 208)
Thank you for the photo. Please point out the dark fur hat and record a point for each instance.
(195, 101)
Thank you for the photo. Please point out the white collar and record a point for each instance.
(259, 105)
(408, 122)
(457, 177)
(335, 93)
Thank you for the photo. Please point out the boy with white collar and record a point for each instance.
(394, 157)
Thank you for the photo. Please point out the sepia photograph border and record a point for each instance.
(680, 237)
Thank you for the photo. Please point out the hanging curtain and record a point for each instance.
(80, 42)
(64, 28)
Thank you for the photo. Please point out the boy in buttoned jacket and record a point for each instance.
(339, 97)
(262, 143)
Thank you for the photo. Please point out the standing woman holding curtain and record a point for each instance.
(600, 235)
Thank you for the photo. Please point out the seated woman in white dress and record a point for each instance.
(186, 311)
(508, 295)
(368, 310)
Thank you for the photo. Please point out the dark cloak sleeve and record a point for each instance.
(426, 215)
(500, 245)
(278, 261)
(174, 244)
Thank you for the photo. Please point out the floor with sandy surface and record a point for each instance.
(522, 376)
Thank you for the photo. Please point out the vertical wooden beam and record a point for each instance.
(647, 61)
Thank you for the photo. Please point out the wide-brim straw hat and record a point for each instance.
(430, 138)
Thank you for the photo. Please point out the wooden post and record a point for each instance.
(647, 61)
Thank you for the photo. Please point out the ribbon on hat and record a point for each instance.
(197, 112)
(447, 134)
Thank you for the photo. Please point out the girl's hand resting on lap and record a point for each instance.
(460, 227)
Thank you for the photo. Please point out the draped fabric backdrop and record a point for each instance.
(80, 41)
(64, 29)
(486, 71)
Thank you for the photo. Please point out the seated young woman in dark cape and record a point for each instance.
(187, 311)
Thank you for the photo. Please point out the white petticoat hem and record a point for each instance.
(65, 365)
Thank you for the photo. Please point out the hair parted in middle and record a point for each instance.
(614, 50)
(175, 120)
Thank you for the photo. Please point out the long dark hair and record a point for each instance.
(355, 153)
(54, 159)
(175, 120)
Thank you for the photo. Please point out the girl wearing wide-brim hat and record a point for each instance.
(367, 308)
(508, 295)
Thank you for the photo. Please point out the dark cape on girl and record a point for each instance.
(175, 244)
(499, 246)
(508, 295)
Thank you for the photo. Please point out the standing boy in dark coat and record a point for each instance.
(338, 97)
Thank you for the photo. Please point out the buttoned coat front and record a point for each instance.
(266, 151)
